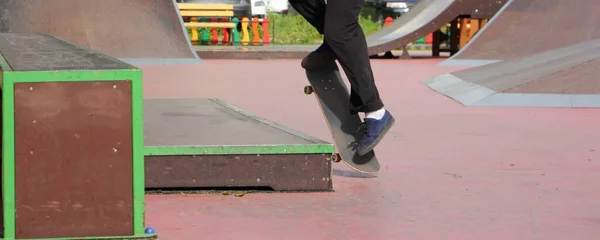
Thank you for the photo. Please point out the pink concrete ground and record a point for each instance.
(448, 171)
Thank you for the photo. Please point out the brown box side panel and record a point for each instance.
(73, 159)
(282, 172)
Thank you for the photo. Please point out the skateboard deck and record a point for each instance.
(333, 97)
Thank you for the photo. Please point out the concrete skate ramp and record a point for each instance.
(527, 27)
(563, 77)
(426, 17)
(137, 31)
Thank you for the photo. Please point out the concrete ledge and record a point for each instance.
(208, 143)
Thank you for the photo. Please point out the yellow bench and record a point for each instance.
(201, 16)
(195, 11)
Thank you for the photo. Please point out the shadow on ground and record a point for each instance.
(352, 174)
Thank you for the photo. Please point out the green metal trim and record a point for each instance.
(268, 122)
(137, 236)
(71, 76)
(137, 111)
(8, 156)
(238, 150)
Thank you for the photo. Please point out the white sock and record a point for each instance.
(376, 114)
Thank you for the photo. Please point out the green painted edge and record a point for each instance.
(8, 156)
(71, 75)
(133, 75)
(238, 150)
(137, 236)
(137, 112)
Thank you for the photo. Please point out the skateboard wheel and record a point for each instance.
(336, 157)
(308, 89)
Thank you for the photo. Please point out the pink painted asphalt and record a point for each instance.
(448, 171)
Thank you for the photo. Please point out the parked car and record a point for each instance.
(278, 6)
(379, 10)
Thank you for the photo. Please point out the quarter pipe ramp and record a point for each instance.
(535, 54)
(526, 27)
(137, 31)
(563, 77)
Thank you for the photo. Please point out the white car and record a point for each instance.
(278, 6)
(258, 8)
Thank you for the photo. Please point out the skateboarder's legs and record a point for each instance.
(345, 41)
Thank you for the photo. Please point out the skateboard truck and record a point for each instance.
(336, 157)
(308, 90)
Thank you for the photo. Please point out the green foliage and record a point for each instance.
(293, 29)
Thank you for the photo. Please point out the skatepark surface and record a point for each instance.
(527, 27)
(448, 171)
(136, 31)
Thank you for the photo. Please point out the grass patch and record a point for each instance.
(295, 30)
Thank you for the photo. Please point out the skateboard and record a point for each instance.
(332, 94)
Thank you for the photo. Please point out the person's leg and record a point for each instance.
(314, 12)
(346, 38)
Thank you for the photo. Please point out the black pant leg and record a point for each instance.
(313, 11)
(346, 38)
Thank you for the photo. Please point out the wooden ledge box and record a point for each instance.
(72, 152)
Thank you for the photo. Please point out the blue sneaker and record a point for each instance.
(374, 130)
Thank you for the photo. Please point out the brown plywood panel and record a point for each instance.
(73, 159)
(279, 171)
